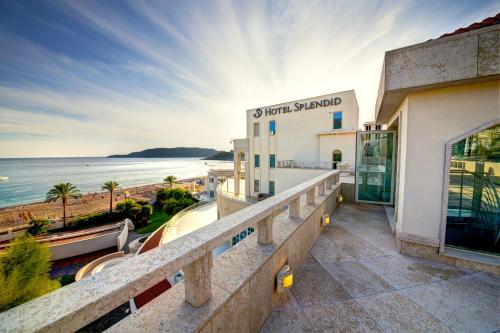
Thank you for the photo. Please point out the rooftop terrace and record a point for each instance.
(355, 280)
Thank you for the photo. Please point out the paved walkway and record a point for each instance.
(356, 281)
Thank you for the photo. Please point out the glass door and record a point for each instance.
(374, 166)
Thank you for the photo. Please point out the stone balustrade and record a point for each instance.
(210, 286)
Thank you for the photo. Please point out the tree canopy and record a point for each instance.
(24, 272)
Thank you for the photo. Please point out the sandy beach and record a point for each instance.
(18, 217)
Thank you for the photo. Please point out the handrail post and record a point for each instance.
(265, 230)
(294, 208)
(197, 280)
(329, 184)
(321, 188)
(310, 196)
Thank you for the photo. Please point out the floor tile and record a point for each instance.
(293, 320)
(346, 316)
(285, 301)
(477, 288)
(313, 285)
(326, 250)
(399, 274)
(456, 312)
(395, 312)
(357, 279)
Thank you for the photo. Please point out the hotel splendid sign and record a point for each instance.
(297, 107)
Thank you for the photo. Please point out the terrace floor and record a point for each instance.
(354, 280)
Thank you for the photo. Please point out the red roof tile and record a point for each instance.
(478, 25)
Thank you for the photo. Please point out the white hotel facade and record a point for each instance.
(291, 142)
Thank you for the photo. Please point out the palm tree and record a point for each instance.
(63, 191)
(110, 186)
(170, 180)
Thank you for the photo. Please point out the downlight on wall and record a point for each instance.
(284, 279)
(325, 220)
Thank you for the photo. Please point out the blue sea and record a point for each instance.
(31, 178)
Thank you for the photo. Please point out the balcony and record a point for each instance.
(349, 276)
(342, 166)
(355, 279)
(214, 289)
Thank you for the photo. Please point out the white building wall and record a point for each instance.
(434, 118)
(288, 178)
(346, 143)
(297, 136)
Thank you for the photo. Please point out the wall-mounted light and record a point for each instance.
(341, 198)
(325, 220)
(285, 278)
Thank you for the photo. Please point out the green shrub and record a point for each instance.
(173, 206)
(173, 200)
(24, 272)
(139, 214)
(176, 193)
(38, 226)
(95, 219)
(66, 279)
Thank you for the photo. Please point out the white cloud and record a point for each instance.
(191, 69)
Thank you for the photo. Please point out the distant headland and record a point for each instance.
(205, 153)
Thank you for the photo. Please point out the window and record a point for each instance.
(211, 179)
(272, 161)
(472, 220)
(256, 185)
(257, 161)
(337, 120)
(336, 157)
(272, 127)
(212, 194)
(256, 129)
(378, 127)
(271, 187)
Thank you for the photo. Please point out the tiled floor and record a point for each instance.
(356, 281)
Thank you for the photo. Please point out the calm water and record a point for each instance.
(31, 178)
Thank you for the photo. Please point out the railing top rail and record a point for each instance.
(75, 305)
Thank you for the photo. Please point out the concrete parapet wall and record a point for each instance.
(227, 205)
(71, 249)
(243, 279)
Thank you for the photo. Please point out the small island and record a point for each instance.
(179, 152)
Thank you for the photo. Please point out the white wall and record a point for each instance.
(122, 237)
(297, 136)
(67, 250)
(288, 178)
(433, 118)
(345, 142)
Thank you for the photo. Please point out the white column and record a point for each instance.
(197, 280)
(311, 194)
(236, 172)
(294, 208)
(265, 230)
(321, 188)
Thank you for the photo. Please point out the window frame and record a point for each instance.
(256, 185)
(272, 161)
(256, 130)
(273, 192)
(256, 160)
(335, 113)
(272, 132)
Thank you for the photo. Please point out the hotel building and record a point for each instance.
(291, 142)
(422, 256)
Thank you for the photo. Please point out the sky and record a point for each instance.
(93, 78)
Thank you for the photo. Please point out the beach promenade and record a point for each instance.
(18, 217)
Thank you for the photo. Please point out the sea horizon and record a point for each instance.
(30, 178)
